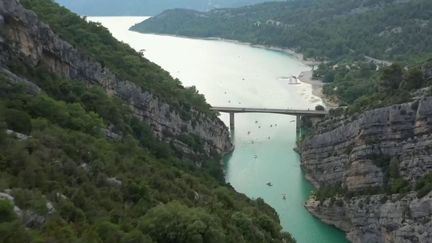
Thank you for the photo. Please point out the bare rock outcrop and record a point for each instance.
(362, 156)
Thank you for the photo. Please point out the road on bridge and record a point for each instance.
(269, 110)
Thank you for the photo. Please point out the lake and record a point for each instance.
(235, 74)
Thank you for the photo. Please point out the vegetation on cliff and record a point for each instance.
(97, 42)
(67, 176)
(362, 87)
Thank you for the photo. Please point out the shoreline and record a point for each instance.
(305, 76)
(317, 88)
(288, 51)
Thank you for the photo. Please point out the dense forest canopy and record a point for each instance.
(354, 39)
(62, 179)
(391, 30)
(146, 7)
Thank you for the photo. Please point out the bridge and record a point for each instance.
(293, 112)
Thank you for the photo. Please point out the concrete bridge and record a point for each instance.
(293, 112)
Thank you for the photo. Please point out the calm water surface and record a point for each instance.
(232, 74)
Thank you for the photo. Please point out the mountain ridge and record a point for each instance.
(318, 29)
(145, 8)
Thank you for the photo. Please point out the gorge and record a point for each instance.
(235, 74)
(108, 135)
(368, 161)
(98, 144)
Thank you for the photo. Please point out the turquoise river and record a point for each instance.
(233, 74)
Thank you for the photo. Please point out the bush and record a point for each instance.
(14, 232)
(6, 211)
(399, 185)
(319, 108)
(391, 77)
(424, 185)
(18, 121)
(325, 192)
(174, 222)
(109, 232)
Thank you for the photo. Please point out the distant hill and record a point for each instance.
(385, 29)
(146, 7)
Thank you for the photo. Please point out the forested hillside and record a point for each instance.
(147, 7)
(355, 40)
(385, 29)
(82, 162)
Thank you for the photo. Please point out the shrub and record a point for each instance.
(18, 121)
(319, 108)
(6, 211)
(424, 185)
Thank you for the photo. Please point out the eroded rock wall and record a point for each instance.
(354, 153)
(25, 38)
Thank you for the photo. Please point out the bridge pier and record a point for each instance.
(298, 127)
(231, 121)
(292, 112)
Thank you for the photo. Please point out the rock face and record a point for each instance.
(25, 38)
(379, 218)
(355, 154)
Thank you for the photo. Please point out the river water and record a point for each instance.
(234, 74)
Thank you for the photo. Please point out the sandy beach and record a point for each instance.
(317, 88)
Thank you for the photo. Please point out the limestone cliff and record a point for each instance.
(25, 38)
(375, 160)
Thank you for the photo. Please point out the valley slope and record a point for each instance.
(391, 30)
(98, 144)
(371, 160)
(145, 8)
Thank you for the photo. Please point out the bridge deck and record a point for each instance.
(267, 110)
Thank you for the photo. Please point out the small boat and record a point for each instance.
(269, 137)
(293, 80)
(259, 126)
(284, 197)
(269, 183)
(256, 121)
(248, 132)
(271, 125)
(255, 156)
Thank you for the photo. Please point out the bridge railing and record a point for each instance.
(269, 110)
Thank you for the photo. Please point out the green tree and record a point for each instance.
(319, 108)
(136, 236)
(14, 232)
(2, 131)
(174, 222)
(391, 77)
(18, 121)
(414, 79)
(109, 232)
(6, 211)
